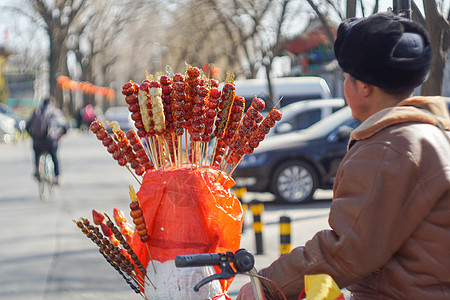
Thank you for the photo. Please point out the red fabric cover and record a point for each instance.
(188, 211)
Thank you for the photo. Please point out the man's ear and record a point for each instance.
(365, 89)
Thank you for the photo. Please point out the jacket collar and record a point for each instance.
(409, 110)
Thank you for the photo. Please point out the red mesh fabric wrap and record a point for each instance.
(188, 211)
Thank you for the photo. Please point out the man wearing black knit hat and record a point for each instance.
(390, 214)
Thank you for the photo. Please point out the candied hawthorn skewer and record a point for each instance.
(258, 136)
(99, 130)
(126, 149)
(167, 89)
(198, 118)
(127, 247)
(159, 121)
(97, 217)
(192, 81)
(225, 104)
(139, 222)
(247, 127)
(198, 112)
(146, 109)
(262, 130)
(131, 92)
(128, 279)
(139, 150)
(211, 110)
(138, 218)
(146, 112)
(122, 223)
(236, 113)
(108, 250)
(178, 106)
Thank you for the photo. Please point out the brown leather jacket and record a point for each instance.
(390, 214)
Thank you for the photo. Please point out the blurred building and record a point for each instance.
(312, 54)
(312, 49)
(4, 91)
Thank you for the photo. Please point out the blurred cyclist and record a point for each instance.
(46, 126)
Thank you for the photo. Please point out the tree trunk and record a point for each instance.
(268, 67)
(351, 8)
(438, 29)
(323, 20)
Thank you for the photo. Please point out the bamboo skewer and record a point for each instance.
(132, 173)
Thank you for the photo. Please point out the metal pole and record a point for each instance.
(285, 235)
(402, 8)
(257, 209)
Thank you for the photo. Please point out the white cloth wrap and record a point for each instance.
(178, 283)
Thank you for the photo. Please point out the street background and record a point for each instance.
(43, 255)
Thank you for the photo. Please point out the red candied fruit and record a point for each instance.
(178, 77)
(134, 205)
(108, 140)
(145, 238)
(101, 134)
(144, 86)
(193, 72)
(276, 115)
(165, 80)
(214, 83)
(95, 126)
(258, 104)
(154, 84)
(228, 88)
(131, 99)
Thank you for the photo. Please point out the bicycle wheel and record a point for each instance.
(46, 176)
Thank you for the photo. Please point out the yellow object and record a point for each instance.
(285, 228)
(285, 248)
(321, 287)
(240, 192)
(257, 209)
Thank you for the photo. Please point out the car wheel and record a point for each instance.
(294, 182)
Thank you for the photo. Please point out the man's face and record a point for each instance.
(353, 97)
(349, 89)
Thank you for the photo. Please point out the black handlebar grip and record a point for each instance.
(243, 261)
(197, 260)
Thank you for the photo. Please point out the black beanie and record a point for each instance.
(384, 50)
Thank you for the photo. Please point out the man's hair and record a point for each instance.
(399, 93)
(384, 50)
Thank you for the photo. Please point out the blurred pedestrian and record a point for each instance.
(87, 116)
(390, 214)
(46, 126)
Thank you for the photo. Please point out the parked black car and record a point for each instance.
(293, 165)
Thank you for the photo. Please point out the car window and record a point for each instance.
(326, 125)
(335, 109)
(305, 119)
(295, 98)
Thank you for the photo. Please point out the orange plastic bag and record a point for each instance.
(188, 211)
